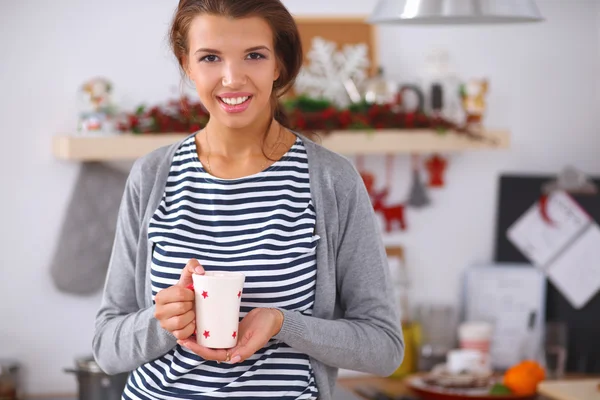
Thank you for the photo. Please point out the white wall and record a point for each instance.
(544, 89)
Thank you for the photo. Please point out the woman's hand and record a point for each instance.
(175, 305)
(206, 353)
(255, 330)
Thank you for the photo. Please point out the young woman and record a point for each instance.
(246, 194)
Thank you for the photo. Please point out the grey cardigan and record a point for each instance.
(355, 323)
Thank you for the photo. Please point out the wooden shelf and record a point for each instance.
(128, 146)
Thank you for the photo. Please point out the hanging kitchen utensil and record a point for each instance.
(86, 237)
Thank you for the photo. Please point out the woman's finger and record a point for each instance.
(180, 321)
(204, 352)
(174, 294)
(186, 332)
(170, 310)
(246, 348)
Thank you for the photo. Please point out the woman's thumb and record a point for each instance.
(192, 267)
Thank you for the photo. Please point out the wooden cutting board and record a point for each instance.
(584, 389)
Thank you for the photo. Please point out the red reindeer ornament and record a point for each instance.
(393, 214)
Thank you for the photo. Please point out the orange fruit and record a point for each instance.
(523, 378)
(535, 368)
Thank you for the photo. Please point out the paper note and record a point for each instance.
(541, 242)
(507, 295)
(576, 271)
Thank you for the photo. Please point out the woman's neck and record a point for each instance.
(243, 142)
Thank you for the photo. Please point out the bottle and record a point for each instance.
(437, 100)
(410, 331)
(530, 347)
(409, 363)
(378, 90)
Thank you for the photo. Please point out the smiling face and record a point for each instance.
(233, 64)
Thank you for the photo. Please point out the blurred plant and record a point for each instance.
(305, 114)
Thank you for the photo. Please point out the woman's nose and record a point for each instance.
(234, 75)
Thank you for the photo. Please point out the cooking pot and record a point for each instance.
(94, 384)
(9, 380)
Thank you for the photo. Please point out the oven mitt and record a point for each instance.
(86, 237)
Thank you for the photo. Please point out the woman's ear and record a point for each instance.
(277, 71)
(186, 67)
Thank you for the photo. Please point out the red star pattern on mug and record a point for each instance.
(206, 334)
(234, 335)
(240, 293)
(204, 294)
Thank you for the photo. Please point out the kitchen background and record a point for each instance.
(544, 88)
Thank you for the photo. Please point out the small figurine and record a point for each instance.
(436, 166)
(392, 214)
(96, 109)
(441, 85)
(418, 196)
(379, 90)
(473, 99)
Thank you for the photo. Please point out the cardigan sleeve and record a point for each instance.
(126, 335)
(369, 336)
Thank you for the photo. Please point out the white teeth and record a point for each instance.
(233, 101)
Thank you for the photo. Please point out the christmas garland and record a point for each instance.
(304, 114)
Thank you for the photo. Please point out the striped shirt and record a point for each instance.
(261, 225)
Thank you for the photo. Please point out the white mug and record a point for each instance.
(476, 335)
(468, 360)
(217, 304)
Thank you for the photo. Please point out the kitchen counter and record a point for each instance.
(57, 397)
(341, 393)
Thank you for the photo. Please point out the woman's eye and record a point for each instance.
(209, 58)
(255, 56)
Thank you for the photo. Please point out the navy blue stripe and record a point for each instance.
(236, 213)
(190, 156)
(291, 307)
(288, 387)
(232, 258)
(281, 298)
(174, 390)
(252, 279)
(229, 370)
(199, 243)
(292, 156)
(207, 200)
(283, 288)
(240, 268)
(137, 393)
(190, 143)
(194, 179)
(295, 155)
(231, 223)
(249, 279)
(185, 251)
(198, 183)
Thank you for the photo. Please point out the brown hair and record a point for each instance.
(288, 47)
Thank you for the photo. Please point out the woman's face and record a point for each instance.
(233, 65)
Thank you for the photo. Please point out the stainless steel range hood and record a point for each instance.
(454, 12)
